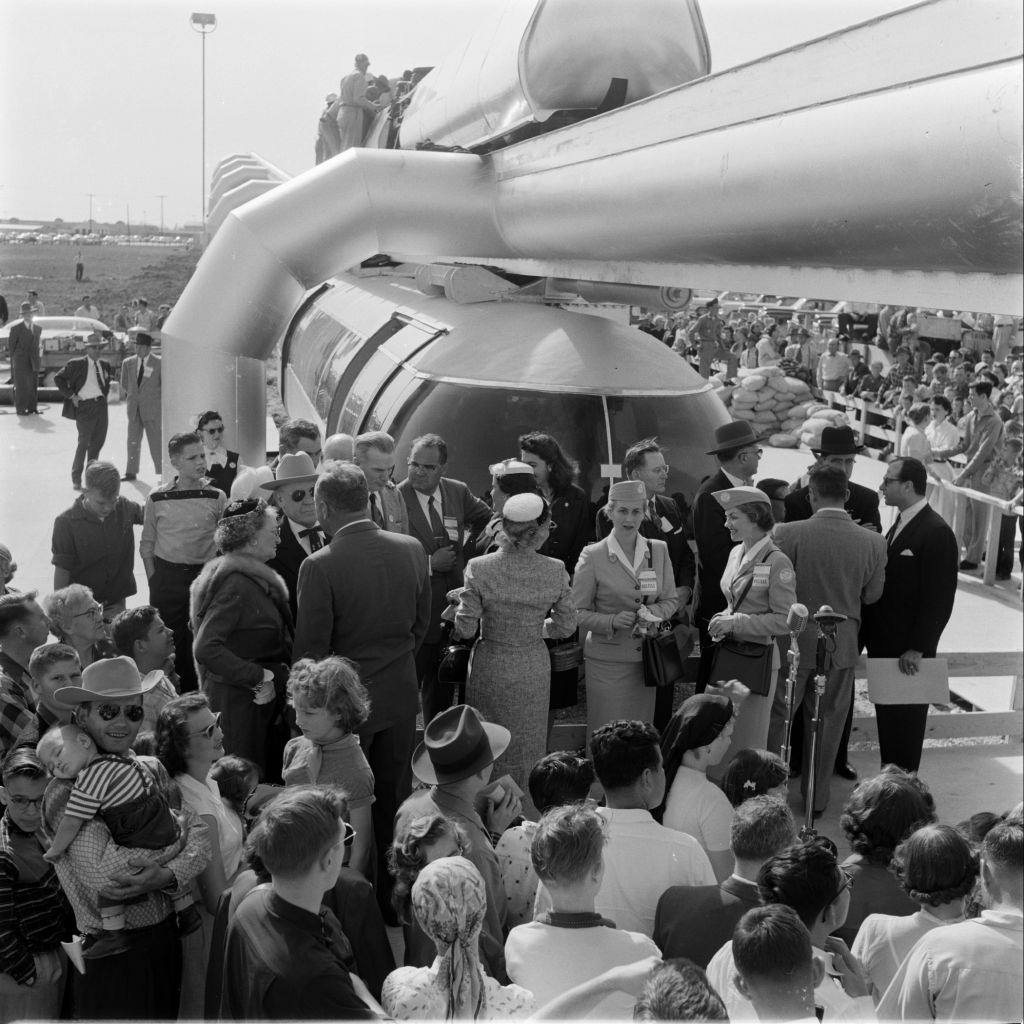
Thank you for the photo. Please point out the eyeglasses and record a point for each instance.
(210, 729)
(349, 835)
(891, 480)
(846, 883)
(301, 495)
(214, 430)
(96, 611)
(426, 467)
(108, 712)
(24, 803)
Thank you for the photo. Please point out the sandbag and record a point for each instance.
(793, 424)
(797, 386)
(783, 441)
(800, 409)
(743, 414)
(742, 399)
(753, 383)
(778, 384)
(765, 417)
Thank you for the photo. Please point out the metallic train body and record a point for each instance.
(897, 180)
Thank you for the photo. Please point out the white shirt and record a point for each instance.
(424, 500)
(906, 515)
(700, 809)
(217, 456)
(642, 860)
(639, 555)
(942, 436)
(91, 387)
(830, 994)
(206, 799)
(734, 480)
(767, 353)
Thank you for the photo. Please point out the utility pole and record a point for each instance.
(161, 198)
(90, 194)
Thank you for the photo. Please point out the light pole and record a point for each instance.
(204, 24)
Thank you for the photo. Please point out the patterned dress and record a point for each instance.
(518, 597)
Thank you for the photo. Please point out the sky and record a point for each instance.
(104, 96)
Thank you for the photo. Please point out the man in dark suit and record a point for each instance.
(695, 921)
(25, 361)
(839, 448)
(84, 383)
(444, 515)
(292, 492)
(366, 596)
(663, 520)
(916, 603)
(738, 453)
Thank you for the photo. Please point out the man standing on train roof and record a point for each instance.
(352, 102)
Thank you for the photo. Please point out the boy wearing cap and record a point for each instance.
(84, 382)
(26, 361)
(455, 759)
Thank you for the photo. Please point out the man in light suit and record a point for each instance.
(738, 454)
(841, 564)
(375, 456)
(84, 382)
(366, 596)
(25, 361)
(916, 603)
(439, 512)
(140, 384)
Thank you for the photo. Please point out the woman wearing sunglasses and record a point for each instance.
(188, 742)
(221, 464)
(76, 618)
(242, 625)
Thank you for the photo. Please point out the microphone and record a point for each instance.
(797, 618)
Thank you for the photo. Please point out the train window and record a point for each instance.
(482, 425)
(391, 399)
(347, 365)
(682, 425)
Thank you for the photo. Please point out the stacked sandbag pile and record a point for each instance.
(769, 400)
(819, 417)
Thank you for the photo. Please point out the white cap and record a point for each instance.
(507, 466)
(523, 508)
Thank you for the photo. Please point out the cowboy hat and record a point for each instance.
(108, 679)
(456, 744)
(838, 441)
(294, 468)
(731, 436)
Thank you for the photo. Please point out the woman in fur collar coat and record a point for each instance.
(243, 628)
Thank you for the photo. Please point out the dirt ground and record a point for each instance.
(113, 274)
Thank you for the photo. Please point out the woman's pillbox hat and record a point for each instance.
(627, 490)
(733, 496)
(523, 508)
(509, 466)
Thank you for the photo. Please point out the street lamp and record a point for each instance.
(204, 24)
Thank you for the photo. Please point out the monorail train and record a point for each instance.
(376, 353)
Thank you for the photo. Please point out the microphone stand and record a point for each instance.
(828, 622)
(793, 655)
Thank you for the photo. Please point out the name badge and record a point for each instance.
(762, 575)
(666, 526)
(648, 580)
(148, 371)
(451, 527)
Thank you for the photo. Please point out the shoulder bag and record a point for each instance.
(746, 660)
(662, 662)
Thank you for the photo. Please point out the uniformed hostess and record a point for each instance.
(615, 578)
(756, 612)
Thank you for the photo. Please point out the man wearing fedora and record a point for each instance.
(140, 383)
(143, 982)
(455, 759)
(291, 491)
(366, 596)
(738, 451)
(84, 382)
(25, 361)
(839, 447)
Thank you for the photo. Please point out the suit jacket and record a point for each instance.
(24, 347)
(366, 596)
(680, 553)
(574, 527)
(287, 561)
(222, 477)
(396, 516)
(603, 587)
(713, 546)
(71, 378)
(143, 399)
(761, 615)
(458, 502)
(920, 585)
(838, 563)
(717, 907)
(862, 504)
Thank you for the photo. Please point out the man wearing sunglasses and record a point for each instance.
(292, 492)
(808, 878)
(142, 982)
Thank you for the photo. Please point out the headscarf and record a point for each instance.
(449, 900)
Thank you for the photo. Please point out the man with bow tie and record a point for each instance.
(908, 620)
(84, 383)
(292, 492)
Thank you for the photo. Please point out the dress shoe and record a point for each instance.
(128, 476)
(846, 771)
(966, 566)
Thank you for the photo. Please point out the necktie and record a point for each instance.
(436, 526)
(375, 510)
(99, 377)
(142, 371)
(894, 529)
(315, 540)
(651, 511)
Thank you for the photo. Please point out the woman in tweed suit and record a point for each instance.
(614, 579)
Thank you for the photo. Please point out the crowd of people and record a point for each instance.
(221, 792)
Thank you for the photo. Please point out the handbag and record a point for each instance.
(662, 662)
(565, 654)
(746, 660)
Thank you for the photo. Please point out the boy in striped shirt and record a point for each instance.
(122, 792)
